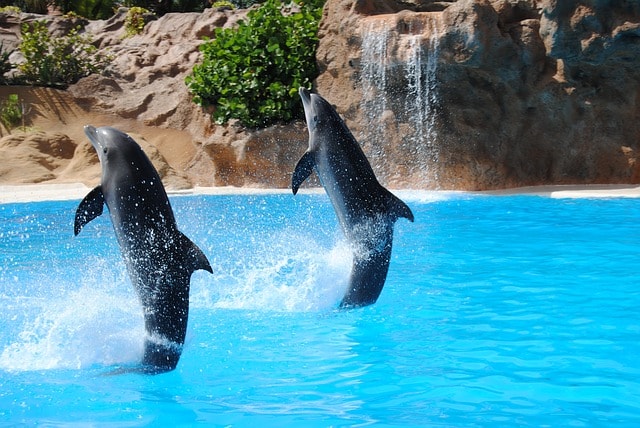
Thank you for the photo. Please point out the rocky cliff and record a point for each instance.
(467, 94)
(511, 92)
(143, 93)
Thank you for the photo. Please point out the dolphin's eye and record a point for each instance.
(315, 119)
(104, 150)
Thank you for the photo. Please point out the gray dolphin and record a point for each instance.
(365, 209)
(159, 258)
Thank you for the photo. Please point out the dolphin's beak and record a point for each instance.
(92, 133)
(305, 95)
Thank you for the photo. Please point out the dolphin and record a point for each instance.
(159, 258)
(366, 210)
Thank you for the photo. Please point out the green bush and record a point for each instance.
(223, 3)
(5, 65)
(135, 20)
(244, 4)
(57, 61)
(252, 73)
(162, 7)
(11, 111)
(28, 6)
(104, 9)
(91, 9)
(10, 9)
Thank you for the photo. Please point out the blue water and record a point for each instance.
(497, 311)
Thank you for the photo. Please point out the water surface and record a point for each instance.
(497, 311)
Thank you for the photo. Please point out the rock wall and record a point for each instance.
(467, 94)
(143, 92)
(523, 92)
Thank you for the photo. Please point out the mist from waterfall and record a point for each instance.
(399, 96)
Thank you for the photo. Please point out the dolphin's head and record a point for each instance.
(110, 143)
(320, 115)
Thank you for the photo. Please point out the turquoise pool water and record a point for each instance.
(497, 311)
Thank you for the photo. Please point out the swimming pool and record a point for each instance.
(497, 311)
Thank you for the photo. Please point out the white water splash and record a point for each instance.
(76, 330)
(290, 274)
(86, 313)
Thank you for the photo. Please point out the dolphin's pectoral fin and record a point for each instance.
(90, 208)
(397, 208)
(194, 255)
(303, 170)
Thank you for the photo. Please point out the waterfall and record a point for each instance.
(374, 82)
(421, 101)
(398, 75)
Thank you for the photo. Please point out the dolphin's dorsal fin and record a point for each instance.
(90, 207)
(194, 254)
(303, 171)
(397, 208)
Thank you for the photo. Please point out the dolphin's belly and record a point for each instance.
(362, 221)
(144, 228)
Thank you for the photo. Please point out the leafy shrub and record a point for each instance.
(34, 6)
(11, 111)
(40, 7)
(5, 65)
(72, 15)
(10, 9)
(92, 9)
(223, 3)
(244, 4)
(252, 73)
(135, 20)
(57, 61)
(161, 7)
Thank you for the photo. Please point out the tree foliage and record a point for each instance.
(5, 64)
(91, 9)
(252, 73)
(104, 9)
(10, 111)
(57, 61)
(137, 17)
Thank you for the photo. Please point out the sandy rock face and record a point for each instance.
(35, 157)
(39, 157)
